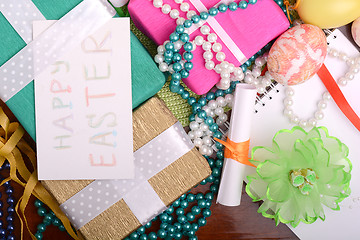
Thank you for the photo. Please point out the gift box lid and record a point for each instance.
(250, 30)
(149, 120)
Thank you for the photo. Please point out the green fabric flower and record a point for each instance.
(300, 173)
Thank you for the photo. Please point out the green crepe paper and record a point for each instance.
(147, 80)
(292, 150)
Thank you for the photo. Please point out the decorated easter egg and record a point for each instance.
(328, 13)
(297, 54)
(355, 31)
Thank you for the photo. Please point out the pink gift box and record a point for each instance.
(249, 29)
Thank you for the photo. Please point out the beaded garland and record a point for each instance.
(7, 233)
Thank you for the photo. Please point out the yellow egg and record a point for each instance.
(297, 54)
(328, 13)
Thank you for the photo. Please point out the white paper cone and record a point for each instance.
(240, 126)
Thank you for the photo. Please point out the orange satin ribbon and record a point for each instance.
(338, 96)
(237, 151)
(287, 4)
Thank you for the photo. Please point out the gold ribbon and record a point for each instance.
(14, 149)
(287, 4)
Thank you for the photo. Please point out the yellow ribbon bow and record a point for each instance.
(15, 149)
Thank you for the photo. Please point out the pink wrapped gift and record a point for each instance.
(242, 33)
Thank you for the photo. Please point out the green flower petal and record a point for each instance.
(256, 187)
(270, 170)
(260, 154)
(284, 140)
(278, 190)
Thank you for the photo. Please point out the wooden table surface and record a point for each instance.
(225, 223)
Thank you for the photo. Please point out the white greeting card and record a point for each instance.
(84, 110)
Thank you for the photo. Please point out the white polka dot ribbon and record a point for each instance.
(57, 40)
(220, 32)
(138, 194)
(21, 14)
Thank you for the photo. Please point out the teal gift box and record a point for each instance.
(147, 80)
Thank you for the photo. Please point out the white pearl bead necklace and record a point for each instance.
(200, 133)
(354, 64)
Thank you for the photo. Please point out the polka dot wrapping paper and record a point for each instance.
(149, 121)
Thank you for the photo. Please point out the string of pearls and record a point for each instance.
(354, 64)
(174, 13)
(200, 133)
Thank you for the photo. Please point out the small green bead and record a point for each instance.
(210, 179)
(202, 101)
(219, 93)
(41, 211)
(56, 222)
(180, 29)
(134, 236)
(185, 95)
(209, 196)
(223, 7)
(196, 210)
(188, 66)
(181, 218)
(203, 182)
(208, 204)
(62, 228)
(152, 236)
(38, 236)
(170, 210)
(177, 66)
(174, 37)
(186, 226)
(178, 236)
(191, 100)
(243, 4)
(195, 19)
(41, 227)
(188, 23)
(199, 196)
(219, 145)
(219, 163)
(148, 225)
(211, 162)
(169, 46)
(217, 134)
(202, 114)
(210, 96)
(188, 47)
(176, 58)
(213, 11)
(176, 76)
(220, 155)
(171, 229)
(163, 217)
(193, 238)
(174, 88)
(195, 227)
(177, 226)
(191, 234)
(209, 121)
(181, 90)
(168, 54)
(202, 222)
(190, 217)
(188, 56)
(143, 237)
(214, 127)
(38, 203)
(184, 73)
(214, 188)
(184, 204)
(196, 107)
(184, 37)
(207, 213)
(190, 197)
(204, 15)
(202, 203)
(141, 230)
(163, 225)
(233, 6)
(161, 233)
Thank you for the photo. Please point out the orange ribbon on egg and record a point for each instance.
(237, 151)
